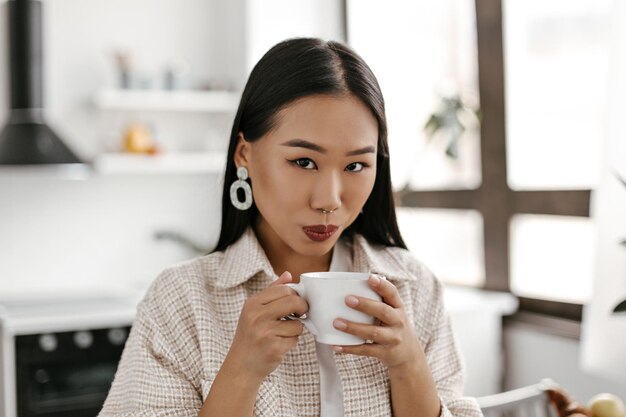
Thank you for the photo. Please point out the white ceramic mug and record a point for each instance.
(326, 292)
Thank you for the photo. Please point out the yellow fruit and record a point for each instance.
(607, 405)
(137, 139)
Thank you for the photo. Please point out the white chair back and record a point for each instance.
(530, 401)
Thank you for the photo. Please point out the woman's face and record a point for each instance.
(320, 155)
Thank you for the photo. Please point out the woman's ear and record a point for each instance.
(242, 152)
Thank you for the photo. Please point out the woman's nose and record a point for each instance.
(327, 193)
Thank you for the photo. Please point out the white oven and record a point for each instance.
(58, 356)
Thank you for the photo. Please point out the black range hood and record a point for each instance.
(27, 139)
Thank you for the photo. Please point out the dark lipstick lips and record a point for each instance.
(319, 232)
(320, 228)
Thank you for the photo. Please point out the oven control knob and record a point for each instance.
(117, 336)
(48, 342)
(83, 339)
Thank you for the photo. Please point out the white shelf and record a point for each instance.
(172, 163)
(166, 100)
(68, 172)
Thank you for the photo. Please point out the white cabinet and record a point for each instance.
(476, 317)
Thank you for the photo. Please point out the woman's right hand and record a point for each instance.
(262, 338)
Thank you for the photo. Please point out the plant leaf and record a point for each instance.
(620, 308)
(453, 149)
(434, 123)
(620, 179)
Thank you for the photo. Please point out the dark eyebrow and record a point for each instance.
(367, 149)
(301, 143)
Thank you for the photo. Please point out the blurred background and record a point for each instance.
(508, 162)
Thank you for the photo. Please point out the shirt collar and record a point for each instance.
(246, 258)
(242, 260)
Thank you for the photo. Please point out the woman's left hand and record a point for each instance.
(395, 343)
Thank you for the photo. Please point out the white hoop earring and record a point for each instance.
(242, 174)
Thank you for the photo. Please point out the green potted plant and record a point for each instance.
(450, 120)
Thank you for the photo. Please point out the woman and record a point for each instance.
(307, 188)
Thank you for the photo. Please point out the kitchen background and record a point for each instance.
(108, 231)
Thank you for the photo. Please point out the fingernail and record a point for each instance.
(340, 324)
(352, 301)
(337, 348)
(287, 275)
(375, 280)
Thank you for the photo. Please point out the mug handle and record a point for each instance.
(299, 288)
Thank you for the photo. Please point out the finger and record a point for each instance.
(284, 278)
(377, 309)
(292, 304)
(289, 328)
(366, 349)
(384, 336)
(273, 293)
(385, 289)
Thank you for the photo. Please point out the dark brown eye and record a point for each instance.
(356, 167)
(304, 163)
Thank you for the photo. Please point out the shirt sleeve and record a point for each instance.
(446, 363)
(154, 376)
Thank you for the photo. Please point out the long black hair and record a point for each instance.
(297, 68)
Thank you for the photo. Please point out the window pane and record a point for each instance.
(552, 257)
(420, 52)
(449, 242)
(556, 60)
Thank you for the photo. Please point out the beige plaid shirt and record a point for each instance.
(187, 320)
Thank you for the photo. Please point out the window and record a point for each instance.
(552, 257)
(522, 189)
(456, 254)
(421, 53)
(556, 57)
(438, 63)
(557, 66)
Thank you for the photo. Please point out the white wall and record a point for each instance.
(270, 21)
(58, 234)
(532, 355)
